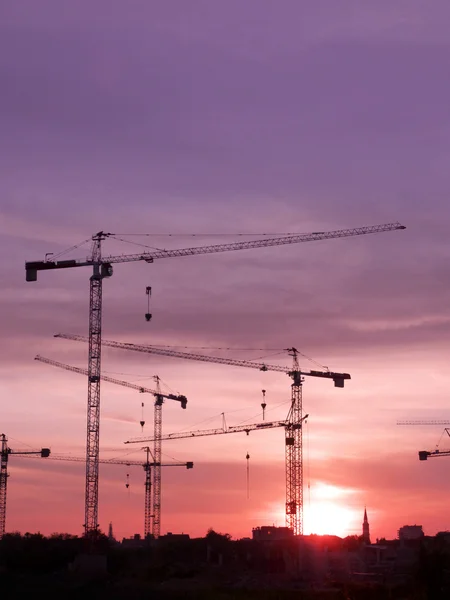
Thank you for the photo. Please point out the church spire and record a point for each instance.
(365, 528)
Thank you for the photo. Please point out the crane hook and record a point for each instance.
(248, 475)
(148, 291)
(127, 485)
(263, 403)
(142, 422)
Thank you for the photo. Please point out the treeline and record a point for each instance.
(34, 552)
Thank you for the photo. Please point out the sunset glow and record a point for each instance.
(326, 512)
(330, 518)
(182, 124)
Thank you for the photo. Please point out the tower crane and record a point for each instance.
(102, 269)
(425, 454)
(134, 386)
(436, 422)
(157, 429)
(159, 401)
(294, 432)
(5, 453)
(147, 466)
(224, 430)
(179, 435)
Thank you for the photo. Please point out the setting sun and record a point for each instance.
(329, 518)
(326, 512)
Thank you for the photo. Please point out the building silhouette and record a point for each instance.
(267, 532)
(365, 528)
(410, 532)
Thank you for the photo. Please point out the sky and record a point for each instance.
(216, 118)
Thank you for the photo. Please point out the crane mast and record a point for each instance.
(4, 455)
(157, 470)
(102, 268)
(93, 404)
(294, 452)
(148, 497)
(3, 483)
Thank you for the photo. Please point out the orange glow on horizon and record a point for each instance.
(329, 518)
(327, 513)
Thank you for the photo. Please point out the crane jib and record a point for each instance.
(338, 378)
(81, 371)
(32, 268)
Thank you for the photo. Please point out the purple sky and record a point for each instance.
(217, 117)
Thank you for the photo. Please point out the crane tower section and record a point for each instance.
(100, 270)
(157, 457)
(294, 452)
(3, 483)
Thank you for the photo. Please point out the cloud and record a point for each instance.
(237, 118)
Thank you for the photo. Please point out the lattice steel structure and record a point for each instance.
(294, 452)
(157, 470)
(5, 452)
(102, 267)
(93, 405)
(159, 400)
(148, 497)
(147, 465)
(3, 483)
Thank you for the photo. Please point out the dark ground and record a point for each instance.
(33, 566)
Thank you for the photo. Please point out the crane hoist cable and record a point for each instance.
(248, 475)
(142, 421)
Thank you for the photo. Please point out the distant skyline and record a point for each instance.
(215, 118)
